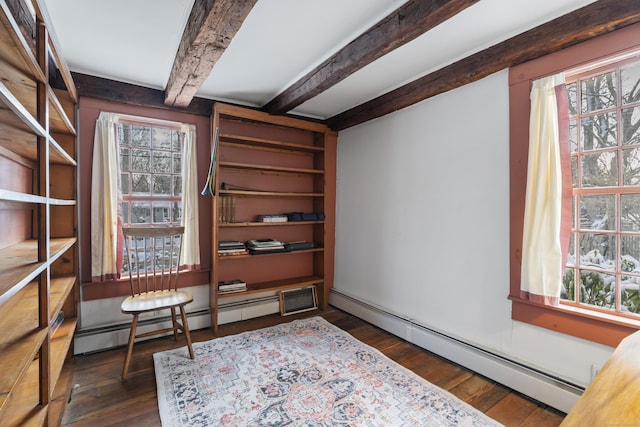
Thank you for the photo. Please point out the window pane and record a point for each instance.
(161, 162)
(599, 92)
(140, 212)
(630, 249)
(598, 250)
(177, 185)
(140, 183)
(574, 172)
(573, 135)
(176, 212)
(572, 92)
(140, 161)
(598, 212)
(599, 131)
(124, 159)
(177, 163)
(568, 291)
(631, 164)
(162, 138)
(630, 215)
(630, 76)
(140, 136)
(124, 183)
(631, 126)
(597, 289)
(161, 212)
(162, 185)
(125, 212)
(600, 169)
(630, 295)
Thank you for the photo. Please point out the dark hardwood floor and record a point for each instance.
(101, 398)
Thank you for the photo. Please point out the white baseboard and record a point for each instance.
(526, 380)
(117, 335)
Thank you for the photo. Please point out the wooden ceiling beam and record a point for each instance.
(409, 21)
(211, 26)
(583, 24)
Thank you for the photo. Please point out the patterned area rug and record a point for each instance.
(304, 373)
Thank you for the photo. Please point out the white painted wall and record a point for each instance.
(422, 226)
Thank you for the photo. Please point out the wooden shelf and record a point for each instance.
(21, 338)
(266, 224)
(303, 251)
(269, 169)
(243, 193)
(25, 408)
(268, 143)
(38, 197)
(19, 264)
(294, 160)
(275, 285)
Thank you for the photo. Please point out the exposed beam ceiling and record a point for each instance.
(401, 26)
(209, 30)
(393, 54)
(583, 24)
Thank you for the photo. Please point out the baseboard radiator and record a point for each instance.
(543, 387)
(100, 338)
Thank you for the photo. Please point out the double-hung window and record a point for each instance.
(603, 268)
(144, 174)
(150, 171)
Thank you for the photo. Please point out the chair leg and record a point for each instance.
(175, 323)
(132, 338)
(185, 328)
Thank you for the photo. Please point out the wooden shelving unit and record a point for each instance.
(38, 207)
(273, 165)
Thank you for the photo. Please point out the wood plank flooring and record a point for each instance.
(101, 398)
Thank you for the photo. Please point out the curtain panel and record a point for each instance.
(106, 216)
(547, 217)
(190, 219)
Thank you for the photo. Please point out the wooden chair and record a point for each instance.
(153, 259)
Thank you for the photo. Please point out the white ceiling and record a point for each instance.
(135, 41)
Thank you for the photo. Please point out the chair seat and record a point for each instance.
(156, 300)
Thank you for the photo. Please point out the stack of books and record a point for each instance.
(272, 218)
(228, 286)
(231, 247)
(263, 246)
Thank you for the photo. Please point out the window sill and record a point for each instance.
(120, 288)
(596, 327)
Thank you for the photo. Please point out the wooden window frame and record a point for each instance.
(90, 109)
(572, 320)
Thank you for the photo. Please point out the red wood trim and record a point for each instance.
(563, 319)
(120, 288)
(578, 324)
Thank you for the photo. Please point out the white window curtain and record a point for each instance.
(547, 201)
(106, 218)
(191, 242)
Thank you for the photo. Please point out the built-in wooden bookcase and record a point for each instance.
(272, 165)
(38, 216)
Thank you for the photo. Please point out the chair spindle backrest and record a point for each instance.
(152, 257)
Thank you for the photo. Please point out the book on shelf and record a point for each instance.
(225, 252)
(261, 246)
(234, 285)
(227, 209)
(230, 244)
(231, 247)
(272, 218)
(299, 246)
